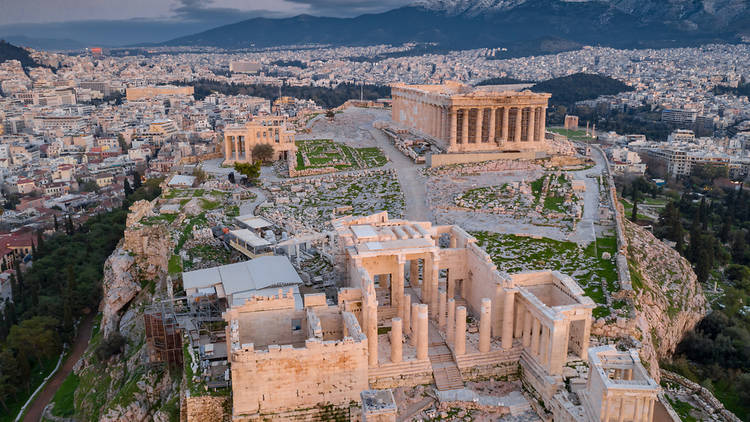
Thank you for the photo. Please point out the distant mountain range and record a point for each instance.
(527, 25)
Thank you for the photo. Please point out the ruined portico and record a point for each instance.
(468, 119)
(239, 140)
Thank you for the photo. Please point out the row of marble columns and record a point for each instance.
(548, 344)
(239, 143)
(615, 408)
(493, 124)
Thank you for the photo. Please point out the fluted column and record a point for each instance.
(397, 285)
(453, 121)
(491, 131)
(227, 149)
(535, 337)
(451, 320)
(585, 339)
(460, 346)
(414, 273)
(542, 123)
(506, 119)
(507, 333)
(544, 346)
(422, 333)
(519, 119)
(442, 304)
(414, 324)
(531, 128)
(434, 281)
(621, 416)
(236, 149)
(372, 332)
(406, 311)
(479, 125)
(465, 126)
(485, 325)
(396, 340)
(526, 328)
(246, 147)
(518, 328)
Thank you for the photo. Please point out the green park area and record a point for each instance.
(319, 153)
(573, 135)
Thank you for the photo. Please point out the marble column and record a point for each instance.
(451, 321)
(465, 127)
(248, 150)
(422, 334)
(460, 346)
(638, 410)
(414, 273)
(434, 282)
(479, 126)
(236, 149)
(544, 346)
(506, 118)
(535, 337)
(621, 416)
(585, 340)
(453, 118)
(542, 123)
(414, 324)
(530, 132)
(519, 119)
(442, 304)
(406, 310)
(507, 333)
(397, 286)
(396, 340)
(491, 131)
(518, 329)
(227, 148)
(650, 410)
(485, 325)
(607, 407)
(527, 328)
(372, 332)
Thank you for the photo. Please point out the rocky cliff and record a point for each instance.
(668, 299)
(116, 382)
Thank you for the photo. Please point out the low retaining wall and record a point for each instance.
(702, 393)
(438, 160)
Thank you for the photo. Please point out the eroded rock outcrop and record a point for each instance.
(669, 301)
(119, 288)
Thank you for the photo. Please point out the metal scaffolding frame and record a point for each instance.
(163, 334)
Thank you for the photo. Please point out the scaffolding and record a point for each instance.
(163, 334)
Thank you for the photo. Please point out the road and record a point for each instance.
(413, 184)
(34, 414)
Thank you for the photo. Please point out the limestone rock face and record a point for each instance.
(119, 287)
(152, 248)
(669, 301)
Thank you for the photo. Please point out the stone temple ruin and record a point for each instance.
(402, 318)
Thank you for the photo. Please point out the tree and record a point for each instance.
(68, 302)
(39, 242)
(136, 180)
(57, 225)
(263, 152)
(199, 174)
(123, 144)
(128, 189)
(231, 178)
(251, 171)
(330, 114)
(634, 216)
(19, 276)
(36, 337)
(69, 228)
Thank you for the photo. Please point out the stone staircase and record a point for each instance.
(444, 369)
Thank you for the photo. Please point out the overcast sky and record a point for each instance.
(213, 11)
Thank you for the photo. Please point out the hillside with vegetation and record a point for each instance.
(326, 97)
(567, 90)
(9, 51)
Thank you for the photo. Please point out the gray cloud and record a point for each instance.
(206, 11)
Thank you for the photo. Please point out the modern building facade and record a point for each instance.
(468, 119)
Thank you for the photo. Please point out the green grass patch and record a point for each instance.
(682, 408)
(175, 264)
(64, 398)
(209, 205)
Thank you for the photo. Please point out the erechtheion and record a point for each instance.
(466, 119)
(401, 319)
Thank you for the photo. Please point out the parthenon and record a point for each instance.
(467, 119)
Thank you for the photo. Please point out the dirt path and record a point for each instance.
(34, 414)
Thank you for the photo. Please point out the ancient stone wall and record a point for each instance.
(716, 407)
(438, 160)
(205, 408)
(286, 378)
